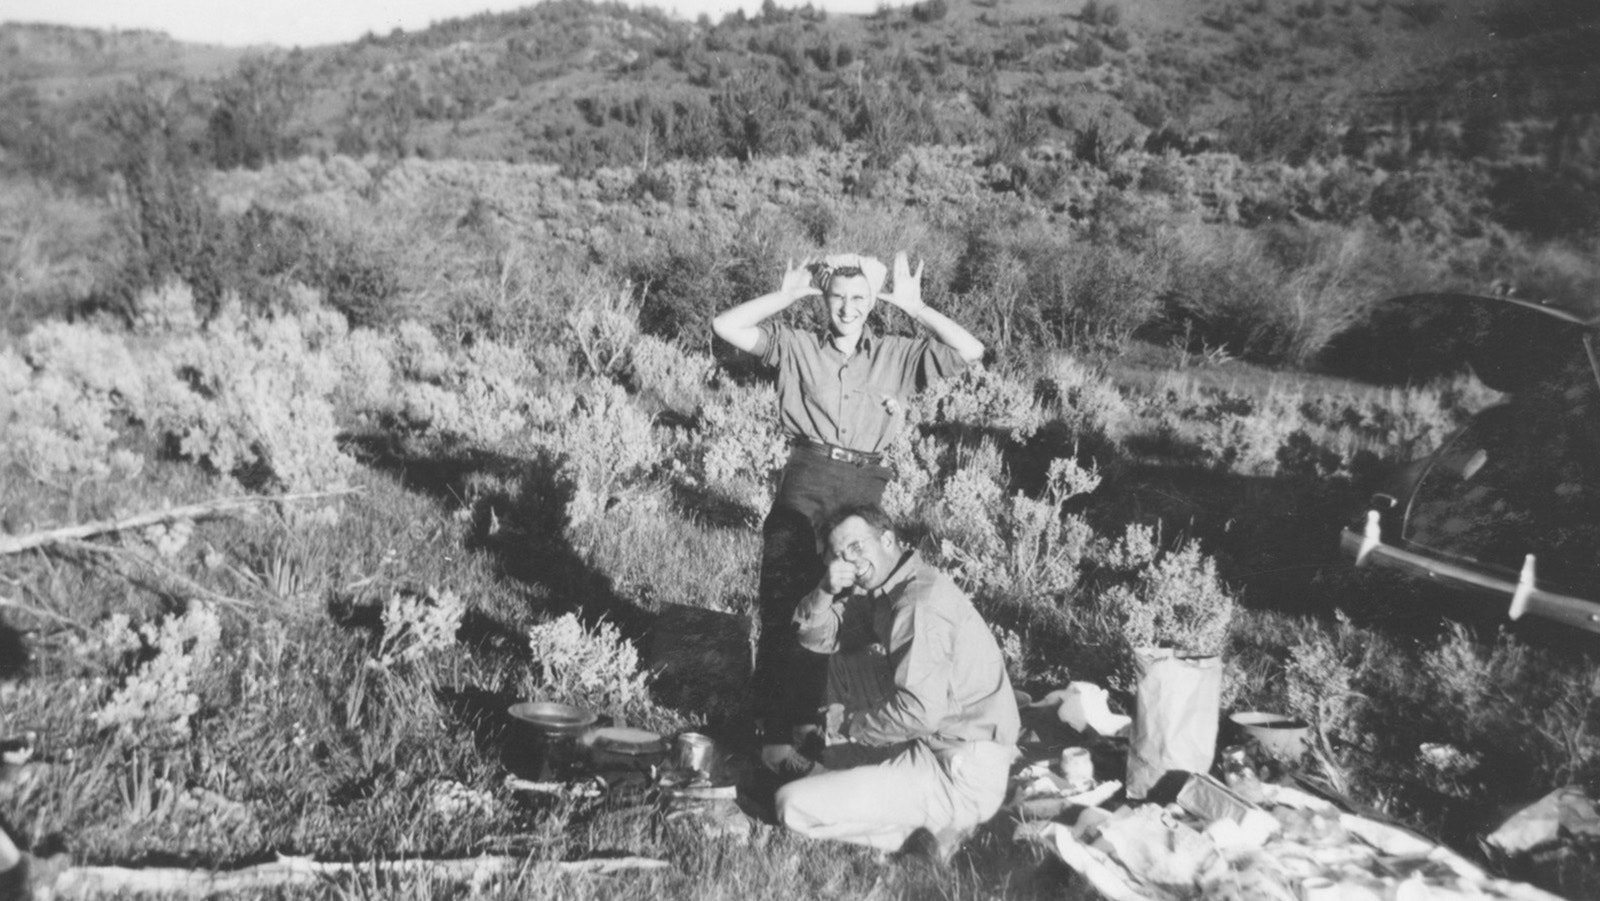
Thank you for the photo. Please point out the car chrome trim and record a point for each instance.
(1594, 356)
(1526, 597)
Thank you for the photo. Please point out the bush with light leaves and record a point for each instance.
(595, 668)
(158, 696)
(418, 626)
(736, 447)
(254, 400)
(1176, 600)
(64, 396)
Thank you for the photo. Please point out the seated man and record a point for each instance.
(951, 708)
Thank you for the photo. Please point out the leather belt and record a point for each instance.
(842, 454)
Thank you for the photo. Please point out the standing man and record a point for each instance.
(947, 709)
(842, 396)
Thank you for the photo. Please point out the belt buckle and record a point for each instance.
(840, 454)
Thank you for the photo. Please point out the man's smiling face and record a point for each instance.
(849, 300)
(873, 552)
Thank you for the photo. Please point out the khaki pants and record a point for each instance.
(951, 791)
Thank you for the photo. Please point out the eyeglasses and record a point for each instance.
(852, 552)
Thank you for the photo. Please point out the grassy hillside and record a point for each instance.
(582, 85)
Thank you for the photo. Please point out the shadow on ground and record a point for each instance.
(519, 518)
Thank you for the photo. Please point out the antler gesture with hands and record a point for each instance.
(797, 281)
(907, 293)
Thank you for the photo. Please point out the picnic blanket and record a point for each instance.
(1293, 846)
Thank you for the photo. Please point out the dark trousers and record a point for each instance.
(789, 681)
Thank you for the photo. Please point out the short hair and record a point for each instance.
(871, 514)
(823, 275)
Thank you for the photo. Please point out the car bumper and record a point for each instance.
(1368, 547)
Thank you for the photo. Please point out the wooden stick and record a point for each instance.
(94, 882)
(161, 579)
(9, 604)
(15, 544)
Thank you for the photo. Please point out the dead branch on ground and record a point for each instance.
(95, 882)
(13, 544)
(143, 571)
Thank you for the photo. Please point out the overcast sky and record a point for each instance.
(308, 22)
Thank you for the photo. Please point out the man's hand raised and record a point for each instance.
(907, 292)
(841, 576)
(797, 281)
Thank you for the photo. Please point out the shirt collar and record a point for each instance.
(864, 345)
(909, 563)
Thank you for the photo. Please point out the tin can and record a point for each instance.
(692, 753)
(1077, 767)
(1236, 765)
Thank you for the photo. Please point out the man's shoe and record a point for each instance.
(786, 761)
(927, 848)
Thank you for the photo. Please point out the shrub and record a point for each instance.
(680, 287)
(1547, 204)
(1105, 292)
(595, 668)
(653, 184)
(660, 369)
(1279, 126)
(1404, 198)
(1345, 193)
(963, 513)
(1176, 601)
(157, 699)
(254, 402)
(1088, 53)
(248, 126)
(930, 10)
(602, 324)
(980, 400)
(66, 397)
(1044, 546)
(1015, 282)
(1516, 714)
(818, 221)
(1134, 550)
(736, 448)
(1162, 175)
(1281, 294)
(1094, 412)
(174, 228)
(250, 398)
(167, 309)
(367, 374)
(914, 458)
(1320, 679)
(418, 626)
(56, 255)
(356, 277)
(1246, 436)
(605, 443)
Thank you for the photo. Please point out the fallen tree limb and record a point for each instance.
(9, 604)
(95, 882)
(155, 576)
(12, 544)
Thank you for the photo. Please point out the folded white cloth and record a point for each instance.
(1082, 705)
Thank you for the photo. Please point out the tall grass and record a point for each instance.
(1281, 294)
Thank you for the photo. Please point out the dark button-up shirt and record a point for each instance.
(857, 401)
(950, 683)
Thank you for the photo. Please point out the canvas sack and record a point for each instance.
(1176, 700)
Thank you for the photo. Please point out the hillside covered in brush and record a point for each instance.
(583, 85)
